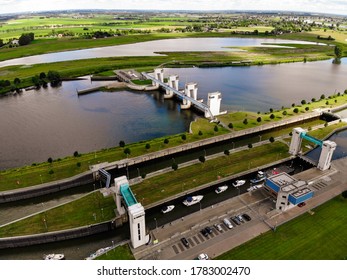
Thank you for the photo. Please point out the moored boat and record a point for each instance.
(239, 183)
(191, 200)
(260, 177)
(53, 257)
(221, 189)
(167, 209)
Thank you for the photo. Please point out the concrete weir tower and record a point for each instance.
(126, 201)
(172, 83)
(328, 147)
(190, 90)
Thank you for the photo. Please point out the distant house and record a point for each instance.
(15, 42)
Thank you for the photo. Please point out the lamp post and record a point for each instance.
(156, 225)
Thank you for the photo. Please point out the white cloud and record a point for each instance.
(323, 6)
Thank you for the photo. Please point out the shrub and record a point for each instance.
(344, 194)
(245, 121)
(184, 137)
(272, 116)
(200, 133)
(50, 172)
(127, 151)
(78, 164)
(202, 159)
(307, 108)
(166, 141)
(174, 166)
(226, 152)
(250, 145)
(143, 175)
(284, 113)
(50, 160)
(148, 146)
(259, 119)
(216, 128)
(271, 139)
(75, 154)
(296, 110)
(121, 143)
(230, 125)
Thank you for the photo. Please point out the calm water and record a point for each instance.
(149, 49)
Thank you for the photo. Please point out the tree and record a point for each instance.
(259, 119)
(202, 159)
(54, 77)
(271, 139)
(184, 137)
(307, 108)
(313, 99)
(24, 39)
(200, 133)
(166, 141)
(226, 152)
(322, 96)
(303, 102)
(284, 113)
(230, 125)
(338, 52)
(174, 166)
(293, 105)
(127, 151)
(121, 143)
(272, 116)
(215, 128)
(296, 110)
(250, 145)
(344, 194)
(50, 160)
(148, 146)
(43, 75)
(271, 110)
(75, 154)
(245, 121)
(16, 81)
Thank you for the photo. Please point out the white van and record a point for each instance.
(227, 223)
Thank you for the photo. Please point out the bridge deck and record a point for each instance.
(128, 195)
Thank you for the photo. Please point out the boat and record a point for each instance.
(239, 183)
(260, 177)
(221, 189)
(99, 252)
(50, 257)
(251, 188)
(191, 200)
(167, 209)
(259, 186)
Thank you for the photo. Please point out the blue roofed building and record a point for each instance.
(287, 190)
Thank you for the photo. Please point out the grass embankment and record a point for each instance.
(321, 236)
(119, 253)
(90, 209)
(151, 190)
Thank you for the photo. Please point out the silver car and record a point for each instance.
(218, 227)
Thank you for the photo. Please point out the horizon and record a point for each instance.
(322, 7)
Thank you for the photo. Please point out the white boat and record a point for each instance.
(260, 177)
(167, 209)
(239, 183)
(258, 186)
(53, 257)
(251, 188)
(221, 189)
(191, 200)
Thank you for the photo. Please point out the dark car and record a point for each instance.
(204, 232)
(208, 229)
(246, 217)
(236, 220)
(301, 204)
(185, 242)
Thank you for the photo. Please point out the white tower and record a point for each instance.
(173, 83)
(137, 223)
(328, 149)
(159, 75)
(190, 90)
(213, 102)
(295, 144)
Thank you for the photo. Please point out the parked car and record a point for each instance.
(227, 223)
(240, 218)
(218, 227)
(204, 232)
(301, 204)
(236, 220)
(203, 256)
(246, 217)
(208, 229)
(185, 242)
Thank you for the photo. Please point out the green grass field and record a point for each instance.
(118, 253)
(321, 236)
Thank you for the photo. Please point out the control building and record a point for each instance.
(287, 190)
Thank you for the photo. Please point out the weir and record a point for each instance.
(189, 96)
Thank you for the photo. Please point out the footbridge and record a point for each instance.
(191, 89)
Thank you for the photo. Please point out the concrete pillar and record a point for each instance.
(213, 102)
(159, 75)
(118, 182)
(173, 83)
(326, 154)
(295, 144)
(190, 90)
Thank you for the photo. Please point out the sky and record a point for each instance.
(315, 6)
